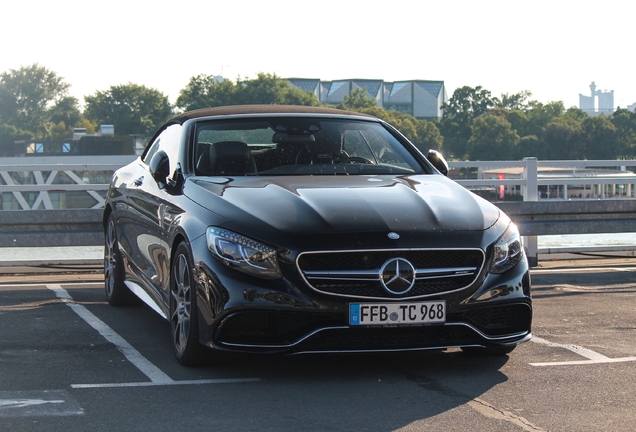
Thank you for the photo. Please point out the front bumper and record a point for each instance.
(246, 314)
(292, 332)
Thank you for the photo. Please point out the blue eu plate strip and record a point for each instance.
(354, 314)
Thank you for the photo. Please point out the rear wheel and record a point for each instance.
(183, 310)
(117, 293)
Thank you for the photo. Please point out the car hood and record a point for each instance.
(331, 204)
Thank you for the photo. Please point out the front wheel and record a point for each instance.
(183, 309)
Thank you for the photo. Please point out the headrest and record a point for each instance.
(230, 158)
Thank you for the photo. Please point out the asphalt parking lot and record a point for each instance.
(68, 361)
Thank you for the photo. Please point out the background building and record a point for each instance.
(419, 98)
(599, 102)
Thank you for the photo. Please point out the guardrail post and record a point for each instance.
(531, 193)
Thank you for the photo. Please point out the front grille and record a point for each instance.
(273, 328)
(359, 274)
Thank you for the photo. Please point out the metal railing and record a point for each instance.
(55, 182)
(582, 173)
(599, 217)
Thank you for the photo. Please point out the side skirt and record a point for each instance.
(143, 295)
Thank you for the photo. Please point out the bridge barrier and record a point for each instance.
(42, 228)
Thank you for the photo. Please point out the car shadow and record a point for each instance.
(395, 389)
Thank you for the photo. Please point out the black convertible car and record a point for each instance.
(286, 229)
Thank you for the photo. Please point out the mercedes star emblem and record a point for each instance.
(397, 275)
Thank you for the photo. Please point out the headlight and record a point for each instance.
(507, 251)
(242, 253)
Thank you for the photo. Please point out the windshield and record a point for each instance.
(300, 146)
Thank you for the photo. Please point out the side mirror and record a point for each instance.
(438, 161)
(160, 168)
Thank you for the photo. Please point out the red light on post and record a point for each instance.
(502, 192)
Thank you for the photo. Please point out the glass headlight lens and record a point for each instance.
(242, 253)
(507, 251)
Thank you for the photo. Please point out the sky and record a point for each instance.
(554, 49)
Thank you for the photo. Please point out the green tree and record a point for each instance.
(532, 122)
(9, 134)
(563, 139)
(131, 108)
(520, 122)
(599, 138)
(576, 114)
(516, 101)
(271, 89)
(204, 91)
(428, 136)
(469, 103)
(91, 127)
(359, 98)
(456, 135)
(492, 139)
(529, 146)
(28, 96)
(460, 111)
(66, 110)
(405, 123)
(625, 123)
(424, 134)
(539, 115)
(60, 131)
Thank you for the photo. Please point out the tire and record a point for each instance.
(489, 351)
(117, 293)
(184, 322)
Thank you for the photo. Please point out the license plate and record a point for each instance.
(368, 314)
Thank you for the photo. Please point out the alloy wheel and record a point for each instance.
(181, 298)
(110, 258)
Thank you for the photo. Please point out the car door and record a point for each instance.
(152, 211)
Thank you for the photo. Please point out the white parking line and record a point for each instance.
(171, 382)
(592, 356)
(35, 285)
(156, 375)
(150, 370)
(33, 403)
